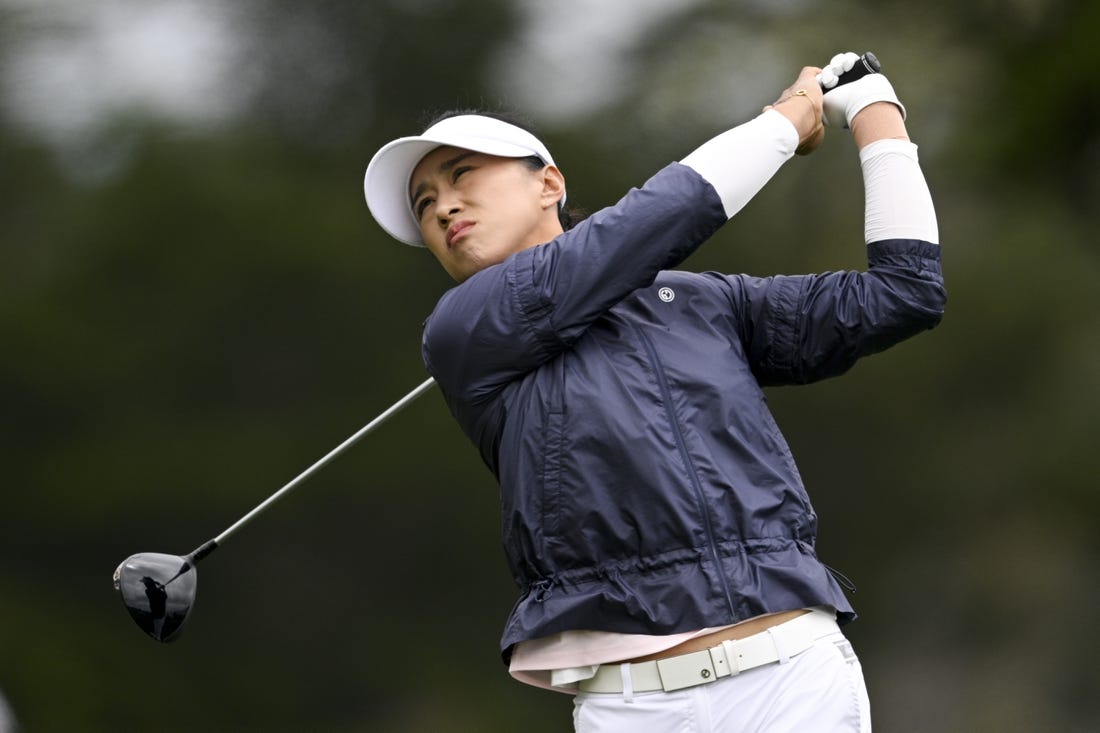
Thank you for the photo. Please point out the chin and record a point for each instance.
(464, 271)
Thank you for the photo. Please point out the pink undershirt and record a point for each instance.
(557, 662)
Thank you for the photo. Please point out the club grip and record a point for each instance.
(867, 64)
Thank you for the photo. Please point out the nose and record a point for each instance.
(446, 211)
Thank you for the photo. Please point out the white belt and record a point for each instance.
(731, 657)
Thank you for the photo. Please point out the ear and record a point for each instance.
(553, 186)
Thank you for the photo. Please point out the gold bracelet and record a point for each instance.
(801, 93)
(797, 93)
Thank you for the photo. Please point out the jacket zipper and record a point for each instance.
(678, 435)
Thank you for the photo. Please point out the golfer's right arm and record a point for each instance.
(510, 318)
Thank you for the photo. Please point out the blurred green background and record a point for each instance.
(195, 305)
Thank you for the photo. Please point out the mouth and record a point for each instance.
(458, 230)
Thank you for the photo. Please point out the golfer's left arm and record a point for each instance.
(801, 329)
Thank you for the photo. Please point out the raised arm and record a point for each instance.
(510, 318)
(800, 329)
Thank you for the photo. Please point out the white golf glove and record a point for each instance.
(843, 102)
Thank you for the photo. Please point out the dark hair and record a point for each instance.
(568, 217)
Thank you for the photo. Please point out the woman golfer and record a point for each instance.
(653, 517)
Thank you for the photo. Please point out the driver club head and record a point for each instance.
(158, 591)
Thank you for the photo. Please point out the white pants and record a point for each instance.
(820, 690)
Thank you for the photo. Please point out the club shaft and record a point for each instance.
(209, 547)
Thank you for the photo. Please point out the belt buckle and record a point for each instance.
(686, 670)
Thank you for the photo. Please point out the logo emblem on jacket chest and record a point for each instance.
(666, 295)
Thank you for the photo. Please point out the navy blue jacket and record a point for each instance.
(645, 487)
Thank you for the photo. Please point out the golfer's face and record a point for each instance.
(475, 209)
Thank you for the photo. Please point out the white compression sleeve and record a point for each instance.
(898, 203)
(740, 161)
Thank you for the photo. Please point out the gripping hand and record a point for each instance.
(843, 102)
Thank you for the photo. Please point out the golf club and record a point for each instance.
(868, 63)
(159, 589)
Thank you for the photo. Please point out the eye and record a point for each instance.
(422, 206)
(459, 171)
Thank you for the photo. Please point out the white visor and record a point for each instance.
(386, 183)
